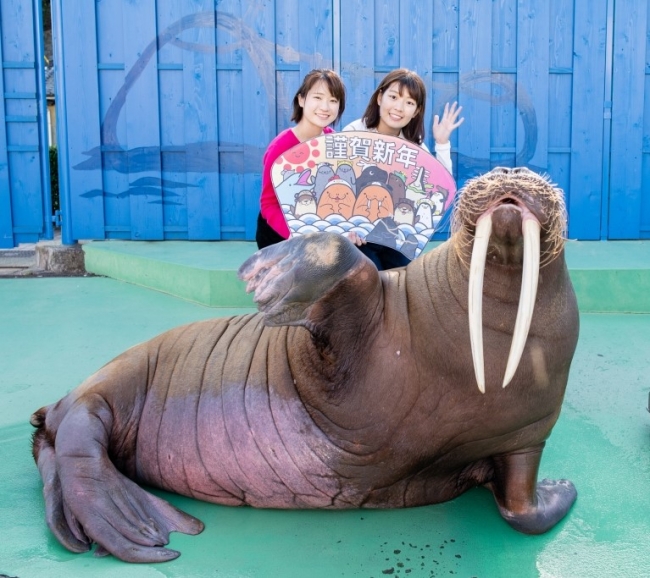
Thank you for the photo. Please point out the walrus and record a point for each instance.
(374, 202)
(350, 388)
(337, 198)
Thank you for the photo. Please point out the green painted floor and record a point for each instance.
(56, 331)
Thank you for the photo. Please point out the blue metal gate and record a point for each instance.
(25, 203)
(166, 107)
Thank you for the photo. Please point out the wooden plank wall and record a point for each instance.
(629, 123)
(587, 173)
(79, 117)
(6, 218)
(24, 161)
(169, 105)
(645, 163)
(512, 67)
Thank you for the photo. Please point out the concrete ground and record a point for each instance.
(54, 332)
(15, 262)
(46, 258)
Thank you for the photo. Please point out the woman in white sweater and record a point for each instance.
(396, 108)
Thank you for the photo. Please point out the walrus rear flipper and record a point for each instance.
(89, 500)
(59, 519)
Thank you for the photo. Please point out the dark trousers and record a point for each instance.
(265, 235)
(384, 257)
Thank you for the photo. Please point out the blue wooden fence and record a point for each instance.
(165, 107)
(629, 185)
(25, 204)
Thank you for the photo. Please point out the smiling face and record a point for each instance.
(396, 109)
(337, 199)
(320, 107)
(298, 154)
(305, 204)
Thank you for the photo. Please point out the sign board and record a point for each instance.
(386, 189)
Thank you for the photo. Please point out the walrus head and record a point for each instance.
(512, 217)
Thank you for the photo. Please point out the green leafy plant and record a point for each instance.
(47, 15)
(54, 179)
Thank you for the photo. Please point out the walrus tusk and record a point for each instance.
(475, 296)
(529, 278)
(528, 293)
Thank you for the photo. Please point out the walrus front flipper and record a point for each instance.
(89, 500)
(528, 506)
(290, 277)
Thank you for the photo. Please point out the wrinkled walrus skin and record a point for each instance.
(351, 388)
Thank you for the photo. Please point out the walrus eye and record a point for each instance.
(530, 276)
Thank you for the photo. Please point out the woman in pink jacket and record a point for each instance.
(319, 102)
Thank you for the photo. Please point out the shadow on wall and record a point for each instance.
(204, 156)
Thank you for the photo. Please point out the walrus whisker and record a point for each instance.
(529, 278)
(480, 192)
(475, 296)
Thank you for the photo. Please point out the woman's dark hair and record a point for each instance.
(414, 130)
(334, 84)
